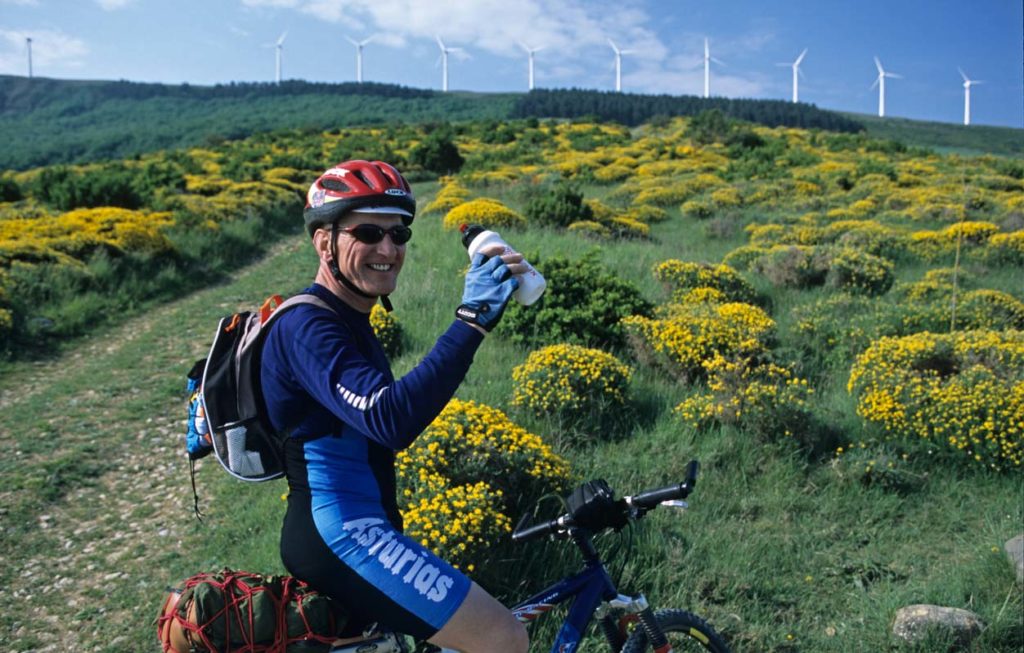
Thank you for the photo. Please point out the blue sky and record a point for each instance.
(218, 41)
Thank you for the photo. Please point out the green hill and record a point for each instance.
(945, 137)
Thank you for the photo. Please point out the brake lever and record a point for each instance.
(675, 503)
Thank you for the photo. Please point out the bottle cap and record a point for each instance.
(469, 232)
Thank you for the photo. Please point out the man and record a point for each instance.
(327, 382)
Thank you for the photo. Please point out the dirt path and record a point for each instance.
(96, 504)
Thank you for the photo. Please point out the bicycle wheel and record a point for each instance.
(685, 632)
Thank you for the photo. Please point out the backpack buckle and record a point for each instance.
(268, 307)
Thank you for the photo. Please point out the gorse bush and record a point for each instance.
(859, 272)
(685, 335)
(962, 392)
(485, 212)
(467, 474)
(387, 329)
(765, 400)
(577, 385)
(452, 194)
(583, 304)
(679, 277)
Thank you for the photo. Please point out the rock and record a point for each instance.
(914, 621)
(1015, 552)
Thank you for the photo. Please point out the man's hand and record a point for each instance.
(489, 286)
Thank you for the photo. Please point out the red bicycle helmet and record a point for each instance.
(358, 185)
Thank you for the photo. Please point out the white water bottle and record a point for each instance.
(531, 283)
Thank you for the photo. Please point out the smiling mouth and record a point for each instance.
(380, 267)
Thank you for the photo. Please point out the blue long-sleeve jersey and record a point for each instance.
(326, 380)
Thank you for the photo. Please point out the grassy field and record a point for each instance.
(783, 549)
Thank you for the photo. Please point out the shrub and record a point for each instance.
(963, 393)
(466, 474)
(575, 384)
(677, 276)
(698, 209)
(437, 153)
(485, 212)
(452, 194)
(766, 401)
(794, 266)
(686, 335)
(583, 305)
(559, 206)
(860, 273)
(387, 330)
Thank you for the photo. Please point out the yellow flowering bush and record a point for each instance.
(387, 329)
(859, 272)
(452, 194)
(576, 384)
(485, 212)
(468, 474)
(686, 335)
(678, 275)
(1007, 248)
(460, 522)
(962, 392)
(590, 229)
(764, 400)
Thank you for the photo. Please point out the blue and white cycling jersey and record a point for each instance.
(325, 380)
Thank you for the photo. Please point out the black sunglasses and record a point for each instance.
(371, 234)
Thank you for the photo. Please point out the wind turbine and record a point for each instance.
(707, 68)
(444, 61)
(796, 71)
(28, 44)
(359, 55)
(278, 46)
(967, 95)
(529, 52)
(880, 82)
(618, 64)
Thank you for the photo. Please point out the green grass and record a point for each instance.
(945, 137)
(781, 550)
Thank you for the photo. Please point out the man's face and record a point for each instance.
(373, 268)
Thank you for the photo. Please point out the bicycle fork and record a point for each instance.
(630, 609)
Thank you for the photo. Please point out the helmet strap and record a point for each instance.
(343, 280)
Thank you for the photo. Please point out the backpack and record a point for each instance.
(226, 413)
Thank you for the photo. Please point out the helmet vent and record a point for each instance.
(362, 177)
(337, 185)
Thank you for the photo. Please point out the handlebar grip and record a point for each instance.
(537, 530)
(652, 498)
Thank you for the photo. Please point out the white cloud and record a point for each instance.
(113, 5)
(573, 33)
(49, 49)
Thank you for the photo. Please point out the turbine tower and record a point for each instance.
(967, 95)
(618, 65)
(707, 68)
(529, 52)
(359, 55)
(796, 72)
(278, 46)
(880, 82)
(444, 62)
(28, 44)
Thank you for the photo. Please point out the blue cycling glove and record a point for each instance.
(489, 285)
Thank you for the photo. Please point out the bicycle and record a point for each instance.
(628, 623)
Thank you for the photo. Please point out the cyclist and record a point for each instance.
(327, 382)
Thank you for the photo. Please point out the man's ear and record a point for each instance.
(322, 243)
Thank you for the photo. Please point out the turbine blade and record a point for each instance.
(614, 47)
(962, 74)
(876, 81)
(801, 57)
(718, 61)
(440, 43)
(878, 64)
(280, 40)
(367, 39)
(894, 75)
(352, 40)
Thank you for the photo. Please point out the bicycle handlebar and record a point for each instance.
(636, 507)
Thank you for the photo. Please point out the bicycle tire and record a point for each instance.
(684, 630)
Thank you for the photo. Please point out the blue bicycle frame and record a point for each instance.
(589, 589)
